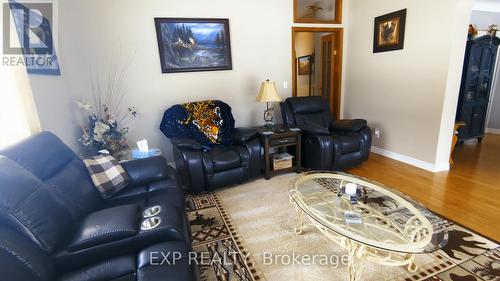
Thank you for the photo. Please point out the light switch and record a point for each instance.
(285, 84)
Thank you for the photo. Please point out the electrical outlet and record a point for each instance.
(285, 84)
(377, 133)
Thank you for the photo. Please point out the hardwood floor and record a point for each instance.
(468, 194)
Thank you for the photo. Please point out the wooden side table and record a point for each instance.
(273, 139)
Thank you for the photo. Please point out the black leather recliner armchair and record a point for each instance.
(203, 169)
(327, 144)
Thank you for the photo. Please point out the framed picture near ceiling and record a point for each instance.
(187, 44)
(317, 11)
(389, 32)
(304, 63)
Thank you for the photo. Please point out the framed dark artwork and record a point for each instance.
(188, 45)
(389, 32)
(317, 11)
(304, 65)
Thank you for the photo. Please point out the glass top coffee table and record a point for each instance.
(384, 226)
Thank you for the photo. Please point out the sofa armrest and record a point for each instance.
(366, 141)
(147, 170)
(255, 156)
(352, 125)
(242, 135)
(189, 166)
(317, 149)
(106, 226)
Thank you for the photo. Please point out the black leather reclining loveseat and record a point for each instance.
(55, 226)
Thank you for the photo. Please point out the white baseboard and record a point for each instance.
(493, 131)
(440, 167)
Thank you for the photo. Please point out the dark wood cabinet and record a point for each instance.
(477, 78)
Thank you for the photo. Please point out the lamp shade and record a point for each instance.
(268, 92)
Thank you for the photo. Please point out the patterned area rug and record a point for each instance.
(221, 255)
(239, 230)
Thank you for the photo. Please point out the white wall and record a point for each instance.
(404, 92)
(458, 29)
(90, 30)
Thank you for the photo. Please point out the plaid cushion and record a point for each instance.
(107, 174)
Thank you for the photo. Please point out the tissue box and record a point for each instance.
(137, 154)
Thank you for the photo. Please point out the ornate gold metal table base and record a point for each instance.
(358, 252)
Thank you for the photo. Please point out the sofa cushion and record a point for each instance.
(43, 154)
(308, 105)
(317, 120)
(225, 159)
(51, 161)
(28, 205)
(73, 186)
(105, 226)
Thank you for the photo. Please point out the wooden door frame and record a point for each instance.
(339, 39)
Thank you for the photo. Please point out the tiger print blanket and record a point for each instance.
(208, 122)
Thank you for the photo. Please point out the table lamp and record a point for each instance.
(268, 93)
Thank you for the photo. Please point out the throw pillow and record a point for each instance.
(107, 174)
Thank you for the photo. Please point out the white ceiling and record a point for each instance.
(487, 5)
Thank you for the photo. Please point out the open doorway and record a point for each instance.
(478, 112)
(317, 64)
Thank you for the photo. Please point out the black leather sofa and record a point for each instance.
(204, 169)
(55, 226)
(327, 144)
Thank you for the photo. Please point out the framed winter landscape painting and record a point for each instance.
(188, 45)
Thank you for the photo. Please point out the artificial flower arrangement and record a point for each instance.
(105, 129)
(104, 126)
